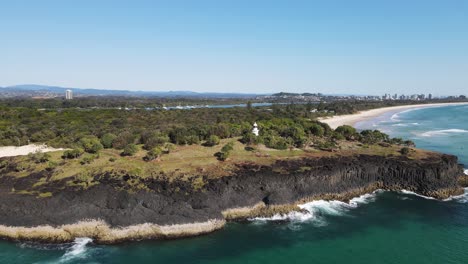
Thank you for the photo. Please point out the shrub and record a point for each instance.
(51, 165)
(91, 144)
(405, 151)
(225, 151)
(107, 140)
(153, 154)
(346, 131)
(169, 147)
(212, 141)
(88, 159)
(123, 139)
(316, 130)
(130, 150)
(72, 154)
(39, 157)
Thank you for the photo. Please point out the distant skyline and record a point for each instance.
(331, 47)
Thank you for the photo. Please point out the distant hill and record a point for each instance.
(31, 90)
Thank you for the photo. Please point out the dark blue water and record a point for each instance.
(383, 227)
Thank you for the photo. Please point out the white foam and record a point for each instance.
(77, 250)
(463, 198)
(466, 171)
(443, 132)
(416, 194)
(315, 210)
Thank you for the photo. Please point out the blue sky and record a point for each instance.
(329, 46)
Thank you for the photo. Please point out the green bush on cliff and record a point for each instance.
(73, 153)
(91, 144)
(153, 154)
(405, 151)
(130, 150)
(107, 140)
(212, 141)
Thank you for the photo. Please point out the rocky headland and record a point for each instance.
(110, 210)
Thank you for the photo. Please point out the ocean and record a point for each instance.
(381, 227)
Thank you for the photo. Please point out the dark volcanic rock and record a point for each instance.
(177, 202)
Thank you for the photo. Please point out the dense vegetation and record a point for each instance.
(91, 130)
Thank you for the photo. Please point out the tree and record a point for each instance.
(91, 144)
(153, 154)
(316, 130)
(72, 154)
(107, 140)
(130, 150)
(249, 105)
(348, 132)
(212, 141)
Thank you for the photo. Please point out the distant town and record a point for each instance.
(47, 92)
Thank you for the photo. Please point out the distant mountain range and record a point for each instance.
(34, 90)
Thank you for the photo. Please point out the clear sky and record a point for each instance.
(329, 46)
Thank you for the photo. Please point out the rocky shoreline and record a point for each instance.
(109, 213)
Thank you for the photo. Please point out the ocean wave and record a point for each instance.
(77, 251)
(416, 194)
(462, 198)
(443, 132)
(405, 124)
(395, 117)
(315, 211)
(466, 171)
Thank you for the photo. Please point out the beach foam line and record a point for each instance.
(314, 211)
(417, 194)
(443, 132)
(352, 119)
(462, 198)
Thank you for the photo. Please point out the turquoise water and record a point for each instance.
(383, 227)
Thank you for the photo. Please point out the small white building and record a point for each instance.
(68, 94)
(255, 129)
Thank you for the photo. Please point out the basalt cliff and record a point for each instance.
(111, 211)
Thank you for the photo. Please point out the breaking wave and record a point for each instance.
(315, 211)
(416, 194)
(462, 198)
(405, 124)
(443, 132)
(77, 251)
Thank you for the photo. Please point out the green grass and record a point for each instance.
(184, 162)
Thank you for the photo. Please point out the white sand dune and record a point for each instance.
(11, 151)
(338, 120)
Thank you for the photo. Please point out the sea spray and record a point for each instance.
(314, 211)
(77, 250)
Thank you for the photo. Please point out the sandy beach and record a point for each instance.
(11, 151)
(336, 121)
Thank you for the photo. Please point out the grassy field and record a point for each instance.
(184, 162)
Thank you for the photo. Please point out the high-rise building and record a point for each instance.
(429, 96)
(68, 94)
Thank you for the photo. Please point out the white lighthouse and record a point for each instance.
(255, 129)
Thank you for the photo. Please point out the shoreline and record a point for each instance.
(352, 119)
(102, 233)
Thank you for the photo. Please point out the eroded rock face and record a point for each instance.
(177, 202)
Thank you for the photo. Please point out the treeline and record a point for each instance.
(115, 102)
(281, 126)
